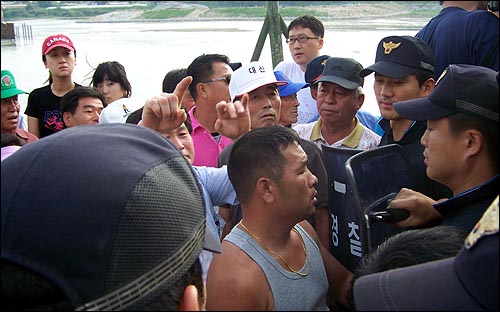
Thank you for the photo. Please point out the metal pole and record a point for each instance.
(262, 39)
(274, 17)
(274, 26)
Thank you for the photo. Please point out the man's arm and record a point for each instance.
(422, 211)
(322, 225)
(33, 126)
(339, 277)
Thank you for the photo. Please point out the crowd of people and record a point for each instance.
(214, 194)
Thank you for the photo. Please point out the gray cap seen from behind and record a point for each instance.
(111, 213)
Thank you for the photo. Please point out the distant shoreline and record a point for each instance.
(357, 11)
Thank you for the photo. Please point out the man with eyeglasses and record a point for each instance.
(305, 41)
(211, 76)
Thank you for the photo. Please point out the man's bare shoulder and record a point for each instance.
(236, 282)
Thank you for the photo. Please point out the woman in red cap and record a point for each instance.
(59, 57)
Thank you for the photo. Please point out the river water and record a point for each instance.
(148, 50)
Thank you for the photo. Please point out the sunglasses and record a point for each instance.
(226, 79)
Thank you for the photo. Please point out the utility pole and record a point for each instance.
(274, 25)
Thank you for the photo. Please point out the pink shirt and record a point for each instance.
(206, 148)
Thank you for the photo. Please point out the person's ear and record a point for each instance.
(189, 301)
(429, 86)
(266, 189)
(200, 88)
(67, 119)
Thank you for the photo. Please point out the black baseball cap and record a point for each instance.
(401, 56)
(461, 88)
(315, 69)
(234, 66)
(343, 71)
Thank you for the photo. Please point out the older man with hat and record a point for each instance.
(11, 108)
(313, 73)
(256, 86)
(460, 145)
(289, 102)
(340, 96)
(404, 70)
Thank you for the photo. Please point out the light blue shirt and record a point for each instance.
(217, 190)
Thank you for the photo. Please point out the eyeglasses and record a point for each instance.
(301, 39)
(226, 79)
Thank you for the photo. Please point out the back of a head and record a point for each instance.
(11, 143)
(258, 153)
(172, 78)
(110, 232)
(413, 247)
(9, 139)
(201, 68)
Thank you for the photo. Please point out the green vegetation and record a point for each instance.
(244, 12)
(166, 13)
(259, 12)
(424, 13)
(49, 9)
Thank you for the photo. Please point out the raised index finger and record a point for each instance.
(181, 88)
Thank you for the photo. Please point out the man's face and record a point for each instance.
(264, 106)
(218, 89)
(337, 105)
(289, 110)
(441, 147)
(297, 190)
(303, 53)
(390, 90)
(182, 139)
(87, 112)
(10, 114)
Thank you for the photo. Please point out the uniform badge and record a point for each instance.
(389, 46)
(488, 225)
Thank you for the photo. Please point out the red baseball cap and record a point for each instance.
(58, 40)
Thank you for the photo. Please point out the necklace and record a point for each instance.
(308, 261)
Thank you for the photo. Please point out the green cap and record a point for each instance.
(9, 87)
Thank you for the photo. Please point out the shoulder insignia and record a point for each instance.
(487, 225)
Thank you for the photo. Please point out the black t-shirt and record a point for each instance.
(45, 105)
